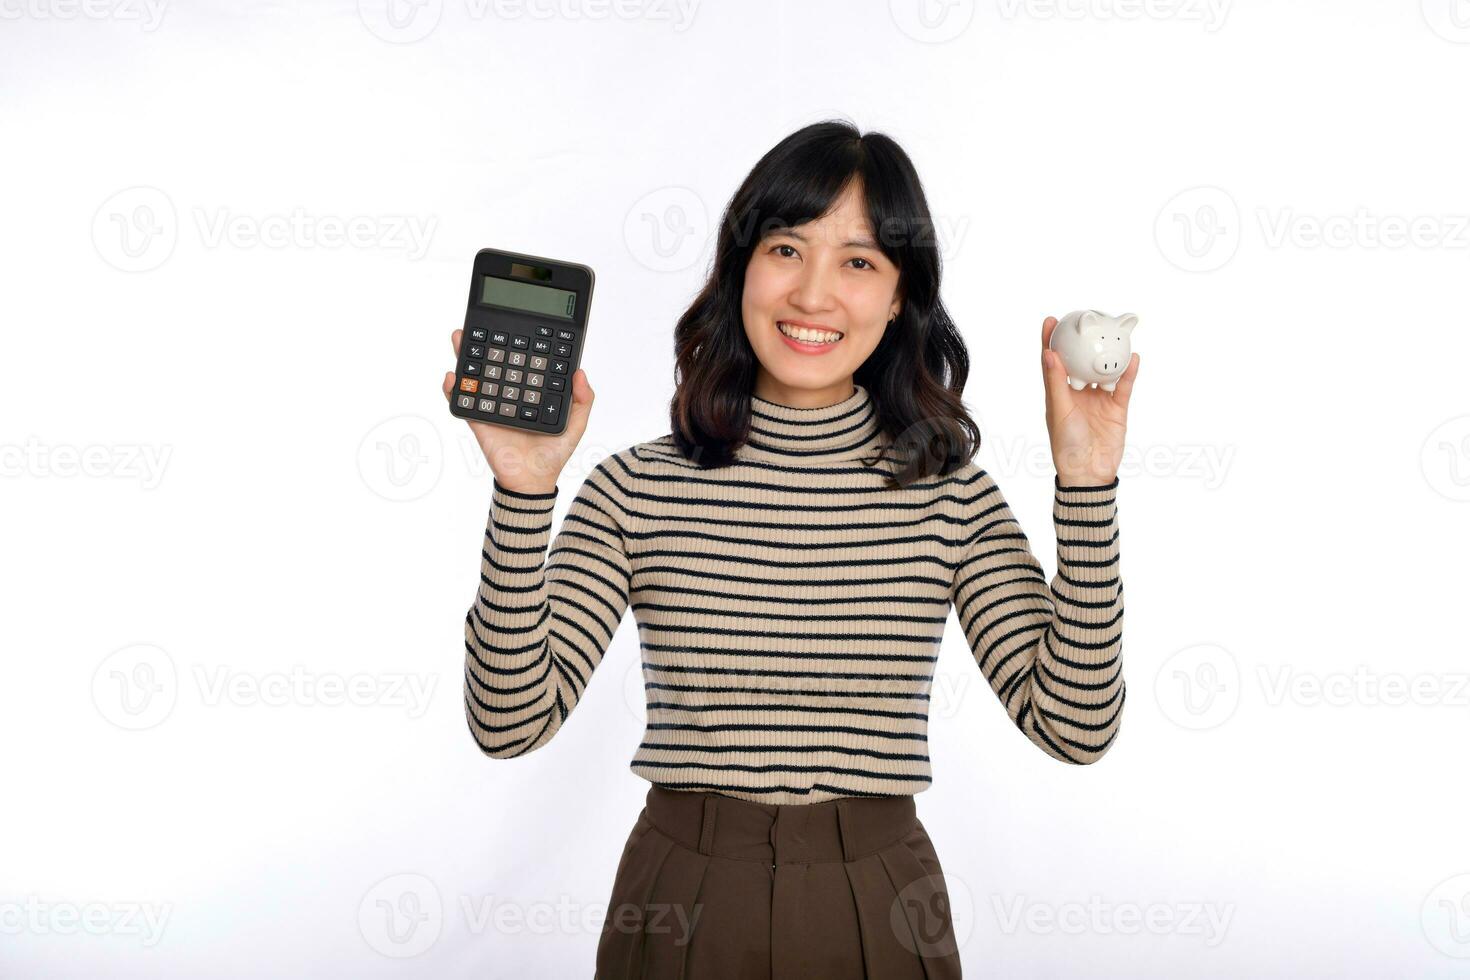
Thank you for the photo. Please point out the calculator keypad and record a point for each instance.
(510, 374)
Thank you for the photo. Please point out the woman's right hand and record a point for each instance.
(525, 461)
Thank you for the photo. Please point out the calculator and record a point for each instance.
(523, 334)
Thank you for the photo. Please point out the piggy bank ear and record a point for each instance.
(1089, 318)
(1127, 322)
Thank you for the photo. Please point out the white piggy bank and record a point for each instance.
(1094, 347)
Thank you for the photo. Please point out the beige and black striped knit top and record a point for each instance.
(790, 609)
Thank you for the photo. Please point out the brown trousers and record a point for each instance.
(711, 887)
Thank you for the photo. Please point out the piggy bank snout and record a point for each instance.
(1110, 362)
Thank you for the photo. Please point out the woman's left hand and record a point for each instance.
(1086, 427)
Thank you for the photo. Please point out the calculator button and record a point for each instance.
(507, 408)
(565, 335)
(556, 384)
(538, 364)
(530, 397)
(475, 352)
(479, 334)
(518, 341)
(551, 409)
(466, 401)
(486, 405)
(493, 370)
(472, 367)
(563, 350)
(489, 388)
(558, 367)
(510, 393)
(495, 355)
(516, 358)
(543, 331)
(469, 384)
(528, 413)
(513, 376)
(499, 338)
(535, 380)
(542, 347)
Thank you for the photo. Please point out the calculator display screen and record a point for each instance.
(524, 296)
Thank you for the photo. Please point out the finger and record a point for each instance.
(1059, 394)
(1047, 326)
(448, 384)
(582, 398)
(1125, 383)
(454, 339)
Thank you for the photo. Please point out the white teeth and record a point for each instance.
(807, 334)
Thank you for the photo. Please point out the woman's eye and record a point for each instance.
(868, 264)
(778, 249)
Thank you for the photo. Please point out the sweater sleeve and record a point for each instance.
(1053, 655)
(540, 623)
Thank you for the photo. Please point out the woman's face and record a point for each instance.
(826, 277)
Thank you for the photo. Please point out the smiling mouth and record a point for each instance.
(807, 335)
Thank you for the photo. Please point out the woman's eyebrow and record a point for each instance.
(863, 242)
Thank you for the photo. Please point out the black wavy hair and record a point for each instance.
(918, 370)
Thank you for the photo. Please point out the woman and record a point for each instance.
(790, 551)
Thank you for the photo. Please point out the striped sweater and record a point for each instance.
(790, 609)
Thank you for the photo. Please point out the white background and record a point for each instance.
(230, 480)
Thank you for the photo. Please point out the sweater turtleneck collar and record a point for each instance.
(845, 430)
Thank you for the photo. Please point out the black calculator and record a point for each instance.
(523, 333)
